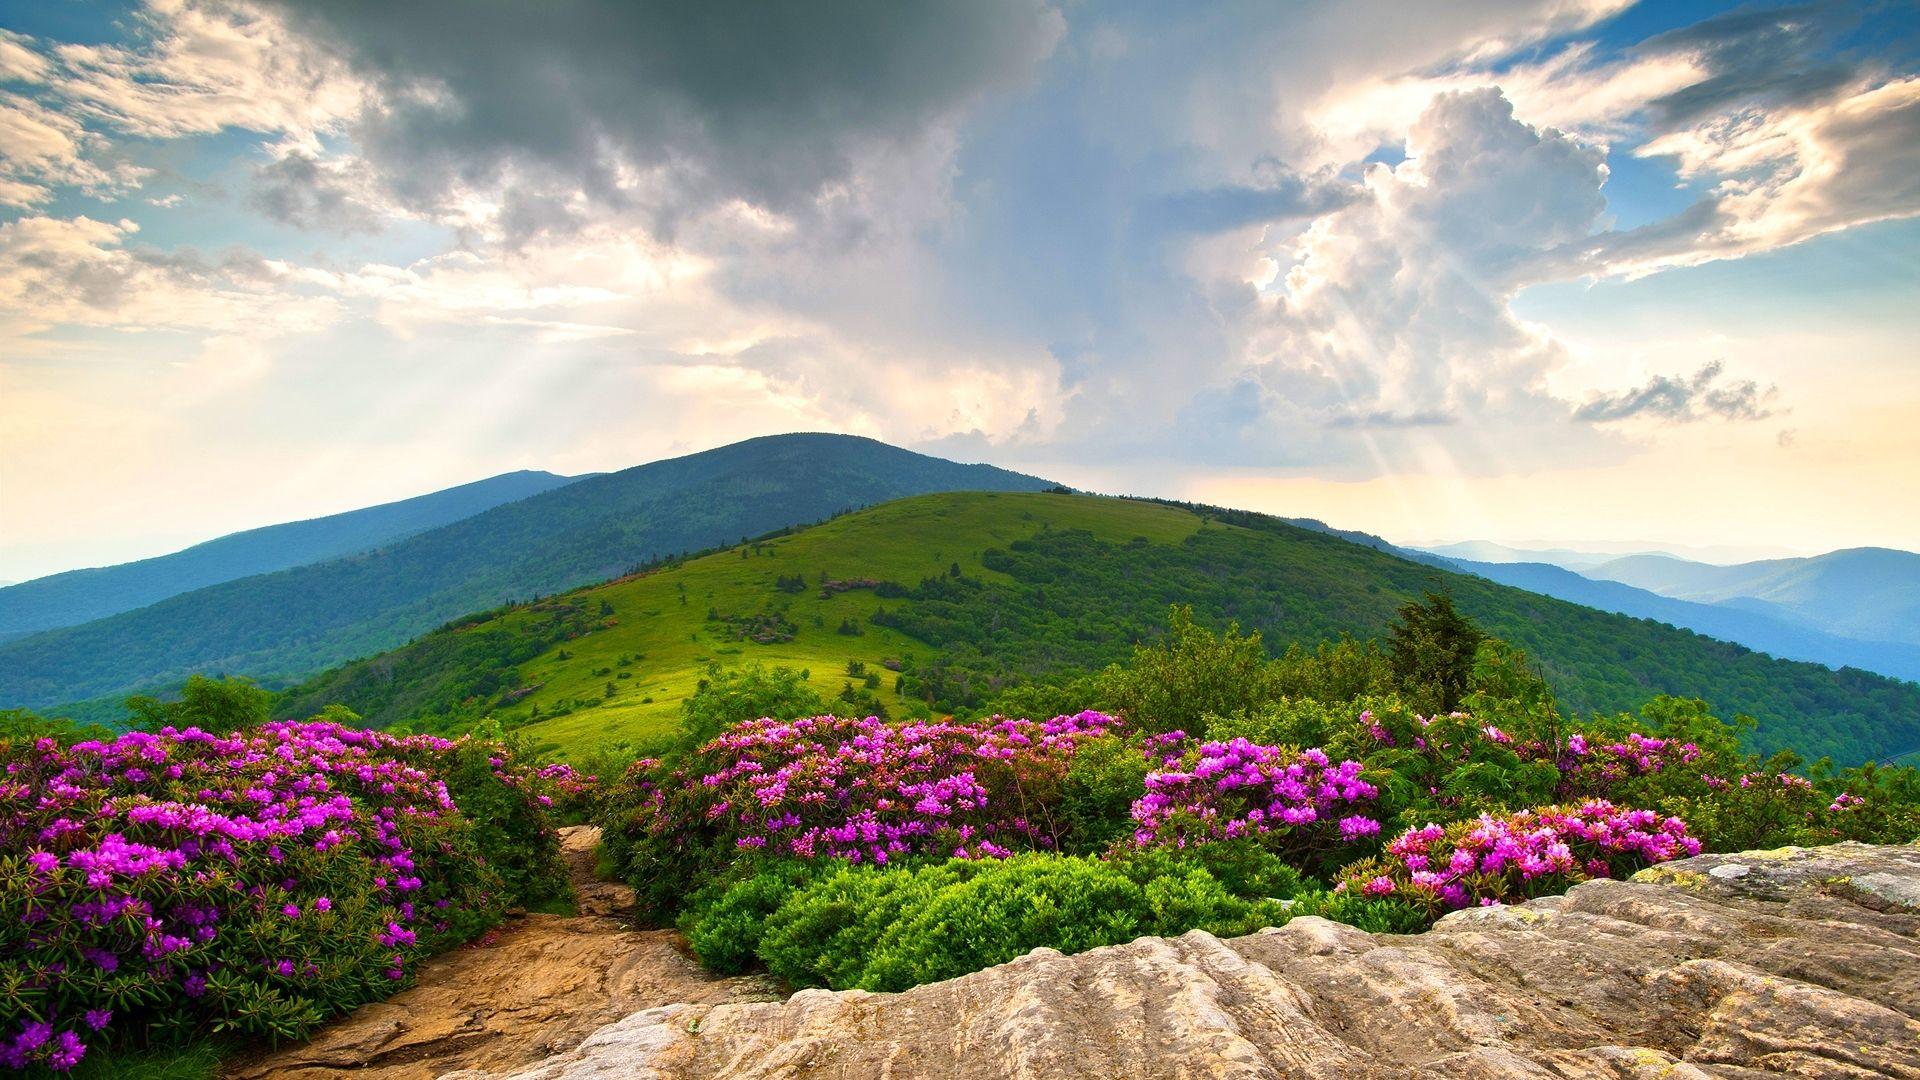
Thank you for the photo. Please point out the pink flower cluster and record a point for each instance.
(1526, 853)
(145, 869)
(1590, 767)
(868, 791)
(1226, 790)
(550, 785)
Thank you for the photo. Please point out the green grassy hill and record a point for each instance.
(296, 622)
(1047, 584)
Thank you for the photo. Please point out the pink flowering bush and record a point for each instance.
(1448, 767)
(1515, 856)
(859, 790)
(1297, 803)
(181, 883)
(1599, 766)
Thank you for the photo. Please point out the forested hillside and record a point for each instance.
(301, 620)
(943, 602)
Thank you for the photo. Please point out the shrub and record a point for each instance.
(861, 790)
(1295, 802)
(1191, 674)
(1243, 867)
(880, 929)
(1517, 856)
(173, 884)
(1106, 776)
(725, 932)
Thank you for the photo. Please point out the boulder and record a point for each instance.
(1797, 962)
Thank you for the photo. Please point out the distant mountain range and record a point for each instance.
(1866, 593)
(1858, 607)
(299, 620)
(79, 596)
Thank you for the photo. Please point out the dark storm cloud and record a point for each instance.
(700, 103)
(1681, 400)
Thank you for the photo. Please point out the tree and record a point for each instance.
(1190, 674)
(216, 706)
(1432, 646)
(728, 697)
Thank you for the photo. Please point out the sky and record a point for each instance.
(1517, 270)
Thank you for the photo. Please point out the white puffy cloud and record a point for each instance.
(201, 67)
(82, 273)
(1393, 316)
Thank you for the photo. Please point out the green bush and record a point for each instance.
(1105, 777)
(890, 929)
(725, 930)
(515, 834)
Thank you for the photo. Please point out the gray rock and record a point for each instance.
(1806, 965)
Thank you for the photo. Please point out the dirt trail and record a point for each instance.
(540, 986)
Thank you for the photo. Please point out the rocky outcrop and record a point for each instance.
(1801, 963)
(537, 986)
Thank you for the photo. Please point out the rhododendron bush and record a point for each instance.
(180, 883)
(1299, 803)
(824, 848)
(1511, 857)
(864, 791)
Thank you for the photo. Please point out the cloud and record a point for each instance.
(197, 67)
(1393, 313)
(1674, 400)
(82, 273)
(1775, 56)
(1781, 177)
(298, 187)
(42, 149)
(529, 117)
(1095, 233)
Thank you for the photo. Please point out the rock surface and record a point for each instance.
(1795, 962)
(535, 987)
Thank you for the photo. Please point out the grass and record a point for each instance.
(664, 635)
(196, 1061)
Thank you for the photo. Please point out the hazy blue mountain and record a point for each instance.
(79, 596)
(303, 619)
(1759, 630)
(1486, 551)
(1866, 593)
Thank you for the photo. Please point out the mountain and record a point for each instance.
(301, 620)
(1866, 593)
(79, 596)
(971, 591)
(1485, 551)
(1763, 629)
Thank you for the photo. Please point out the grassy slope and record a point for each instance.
(901, 541)
(1069, 600)
(289, 624)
